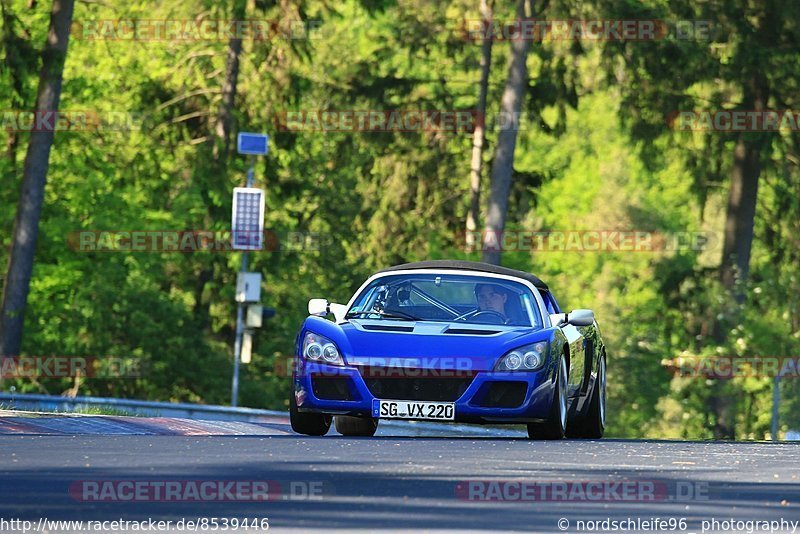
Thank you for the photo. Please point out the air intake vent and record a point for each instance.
(470, 331)
(387, 328)
(503, 394)
(331, 388)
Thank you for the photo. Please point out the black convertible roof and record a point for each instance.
(469, 266)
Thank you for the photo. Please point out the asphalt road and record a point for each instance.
(440, 481)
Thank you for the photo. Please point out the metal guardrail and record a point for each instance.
(53, 403)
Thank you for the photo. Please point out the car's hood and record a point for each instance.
(428, 345)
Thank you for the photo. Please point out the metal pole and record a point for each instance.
(237, 345)
(776, 399)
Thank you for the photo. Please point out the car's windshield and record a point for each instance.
(447, 297)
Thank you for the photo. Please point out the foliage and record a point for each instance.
(595, 153)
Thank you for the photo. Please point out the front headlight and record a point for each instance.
(317, 348)
(525, 358)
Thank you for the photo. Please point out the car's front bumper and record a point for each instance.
(346, 392)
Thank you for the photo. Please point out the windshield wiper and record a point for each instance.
(389, 315)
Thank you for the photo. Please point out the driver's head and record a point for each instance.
(491, 297)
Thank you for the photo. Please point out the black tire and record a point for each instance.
(556, 425)
(593, 425)
(347, 425)
(310, 424)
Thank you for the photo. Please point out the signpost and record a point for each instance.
(776, 400)
(247, 233)
(254, 144)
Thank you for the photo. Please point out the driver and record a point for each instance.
(491, 297)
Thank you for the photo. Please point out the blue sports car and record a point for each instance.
(450, 341)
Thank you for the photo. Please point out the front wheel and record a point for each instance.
(556, 425)
(310, 424)
(347, 425)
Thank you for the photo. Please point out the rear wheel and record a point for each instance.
(347, 425)
(310, 424)
(556, 425)
(593, 426)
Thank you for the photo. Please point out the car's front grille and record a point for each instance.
(421, 385)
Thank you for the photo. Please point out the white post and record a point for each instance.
(776, 399)
(237, 346)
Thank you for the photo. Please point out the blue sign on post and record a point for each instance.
(256, 144)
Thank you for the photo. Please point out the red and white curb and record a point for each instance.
(37, 423)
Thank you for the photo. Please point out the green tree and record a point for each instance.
(37, 159)
(503, 162)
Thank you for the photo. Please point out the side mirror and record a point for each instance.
(581, 317)
(557, 319)
(321, 308)
(318, 307)
(338, 311)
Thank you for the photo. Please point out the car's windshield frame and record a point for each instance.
(535, 311)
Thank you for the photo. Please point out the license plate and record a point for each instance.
(397, 409)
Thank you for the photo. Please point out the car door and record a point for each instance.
(577, 358)
(577, 348)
